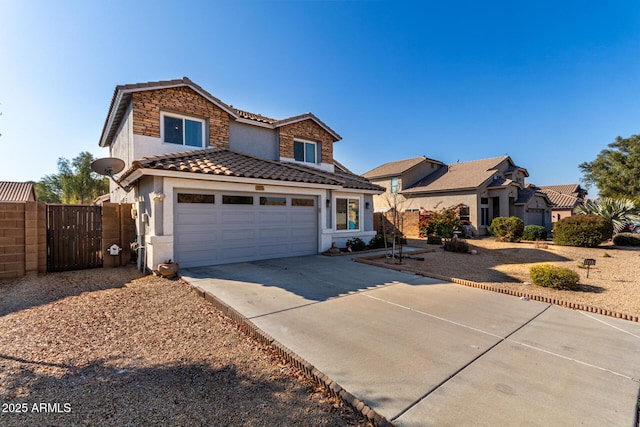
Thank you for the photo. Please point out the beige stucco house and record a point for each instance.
(484, 189)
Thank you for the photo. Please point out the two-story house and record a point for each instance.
(484, 189)
(213, 184)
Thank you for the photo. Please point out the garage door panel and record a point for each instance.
(237, 216)
(208, 234)
(207, 218)
(235, 235)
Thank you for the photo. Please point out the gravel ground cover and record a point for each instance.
(613, 282)
(108, 347)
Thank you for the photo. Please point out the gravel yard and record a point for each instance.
(613, 283)
(109, 347)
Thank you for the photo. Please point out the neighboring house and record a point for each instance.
(484, 189)
(17, 191)
(212, 184)
(565, 199)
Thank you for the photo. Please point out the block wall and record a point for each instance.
(23, 235)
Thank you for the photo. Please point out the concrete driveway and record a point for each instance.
(426, 352)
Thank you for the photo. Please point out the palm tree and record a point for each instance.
(618, 212)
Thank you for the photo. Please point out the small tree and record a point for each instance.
(396, 202)
(75, 182)
(616, 169)
(439, 222)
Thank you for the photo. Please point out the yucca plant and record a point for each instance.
(618, 212)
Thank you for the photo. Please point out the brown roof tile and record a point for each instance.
(255, 117)
(396, 167)
(17, 191)
(459, 175)
(562, 201)
(224, 162)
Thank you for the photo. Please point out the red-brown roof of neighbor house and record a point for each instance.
(17, 191)
(224, 162)
(562, 201)
(459, 175)
(397, 167)
(122, 95)
(563, 188)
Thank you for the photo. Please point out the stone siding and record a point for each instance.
(310, 131)
(147, 106)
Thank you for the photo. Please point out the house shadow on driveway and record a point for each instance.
(33, 291)
(294, 281)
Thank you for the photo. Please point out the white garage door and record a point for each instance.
(221, 228)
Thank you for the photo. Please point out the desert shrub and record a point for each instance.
(626, 239)
(507, 229)
(434, 240)
(356, 244)
(456, 245)
(582, 230)
(534, 232)
(552, 276)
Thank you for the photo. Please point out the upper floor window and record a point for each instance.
(182, 130)
(304, 151)
(394, 185)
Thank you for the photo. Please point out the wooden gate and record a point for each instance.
(74, 237)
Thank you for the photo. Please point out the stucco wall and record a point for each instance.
(258, 141)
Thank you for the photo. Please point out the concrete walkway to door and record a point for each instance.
(425, 352)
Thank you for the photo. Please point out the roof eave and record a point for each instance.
(308, 116)
(123, 90)
(142, 172)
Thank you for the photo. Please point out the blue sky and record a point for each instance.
(549, 83)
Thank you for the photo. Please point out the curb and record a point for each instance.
(311, 371)
(563, 303)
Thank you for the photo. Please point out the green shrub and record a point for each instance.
(626, 239)
(376, 242)
(551, 276)
(582, 230)
(507, 229)
(534, 232)
(434, 240)
(456, 245)
(356, 244)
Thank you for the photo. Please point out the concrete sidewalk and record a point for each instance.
(425, 352)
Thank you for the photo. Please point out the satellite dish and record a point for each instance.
(107, 166)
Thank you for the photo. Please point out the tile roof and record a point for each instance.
(563, 188)
(122, 96)
(224, 162)
(254, 117)
(565, 196)
(563, 201)
(17, 191)
(459, 176)
(396, 167)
